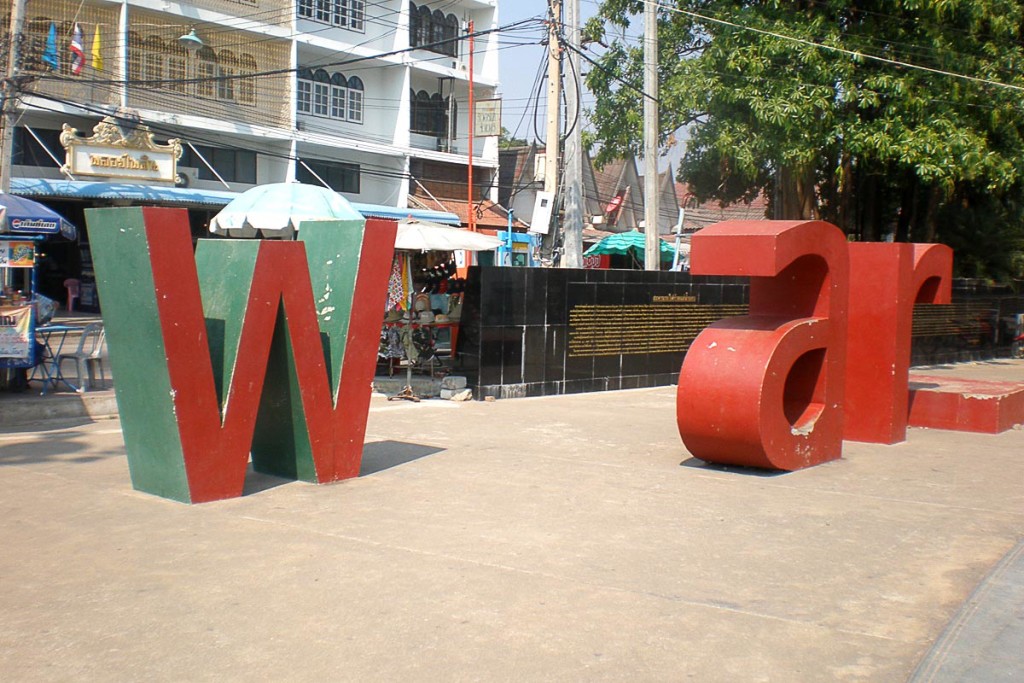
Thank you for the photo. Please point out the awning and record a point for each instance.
(86, 189)
(187, 196)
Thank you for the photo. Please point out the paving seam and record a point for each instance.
(932, 663)
(567, 579)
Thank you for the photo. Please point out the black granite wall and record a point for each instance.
(544, 331)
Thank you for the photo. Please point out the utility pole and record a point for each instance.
(572, 225)
(652, 251)
(9, 97)
(554, 99)
(470, 208)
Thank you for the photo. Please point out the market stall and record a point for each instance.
(421, 325)
(23, 225)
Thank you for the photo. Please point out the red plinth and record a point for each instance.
(965, 405)
(765, 390)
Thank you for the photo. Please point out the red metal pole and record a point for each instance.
(472, 116)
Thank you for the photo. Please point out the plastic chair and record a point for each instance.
(87, 358)
(72, 285)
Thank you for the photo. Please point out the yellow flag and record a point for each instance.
(97, 53)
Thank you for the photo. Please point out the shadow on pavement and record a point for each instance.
(382, 455)
(698, 464)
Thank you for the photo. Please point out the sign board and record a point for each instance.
(17, 254)
(542, 208)
(487, 121)
(15, 331)
(119, 151)
(116, 162)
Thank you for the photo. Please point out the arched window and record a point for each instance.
(176, 62)
(135, 52)
(426, 23)
(421, 120)
(304, 91)
(321, 93)
(247, 86)
(227, 69)
(437, 29)
(438, 115)
(355, 100)
(153, 62)
(414, 24)
(339, 96)
(451, 34)
(206, 72)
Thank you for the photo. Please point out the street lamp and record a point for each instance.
(191, 41)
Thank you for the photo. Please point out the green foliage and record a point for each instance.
(827, 132)
(507, 141)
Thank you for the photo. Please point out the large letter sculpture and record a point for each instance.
(764, 390)
(887, 280)
(253, 346)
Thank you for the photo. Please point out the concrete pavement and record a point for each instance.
(562, 538)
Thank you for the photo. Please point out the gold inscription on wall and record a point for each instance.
(642, 328)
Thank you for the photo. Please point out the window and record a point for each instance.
(339, 176)
(234, 165)
(227, 69)
(135, 53)
(329, 95)
(355, 14)
(323, 10)
(355, 100)
(247, 86)
(339, 96)
(424, 26)
(347, 14)
(304, 103)
(206, 72)
(321, 93)
(28, 152)
(176, 60)
(430, 114)
(432, 30)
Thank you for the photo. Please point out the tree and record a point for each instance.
(506, 140)
(783, 97)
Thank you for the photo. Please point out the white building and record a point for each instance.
(359, 95)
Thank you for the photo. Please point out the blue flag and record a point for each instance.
(50, 55)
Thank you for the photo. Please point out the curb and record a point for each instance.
(27, 410)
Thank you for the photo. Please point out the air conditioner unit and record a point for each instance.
(187, 176)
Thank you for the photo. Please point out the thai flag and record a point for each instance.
(77, 53)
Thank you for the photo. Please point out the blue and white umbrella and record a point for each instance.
(276, 209)
(20, 216)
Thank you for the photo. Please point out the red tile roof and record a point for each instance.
(488, 214)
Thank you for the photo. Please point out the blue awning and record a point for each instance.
(187, 196)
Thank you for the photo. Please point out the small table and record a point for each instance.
(47, 370)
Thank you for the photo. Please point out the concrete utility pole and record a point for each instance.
(554, 99)
(9, 97)
(572, 224)
(652, 250)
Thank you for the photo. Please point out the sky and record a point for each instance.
(518, 66)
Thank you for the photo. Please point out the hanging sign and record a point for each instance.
(17, 255)
(487, 119)
(15, 331)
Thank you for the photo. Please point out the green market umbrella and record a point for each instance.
(632, 243)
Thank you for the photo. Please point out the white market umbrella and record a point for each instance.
(414, 235)
(276, 209)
